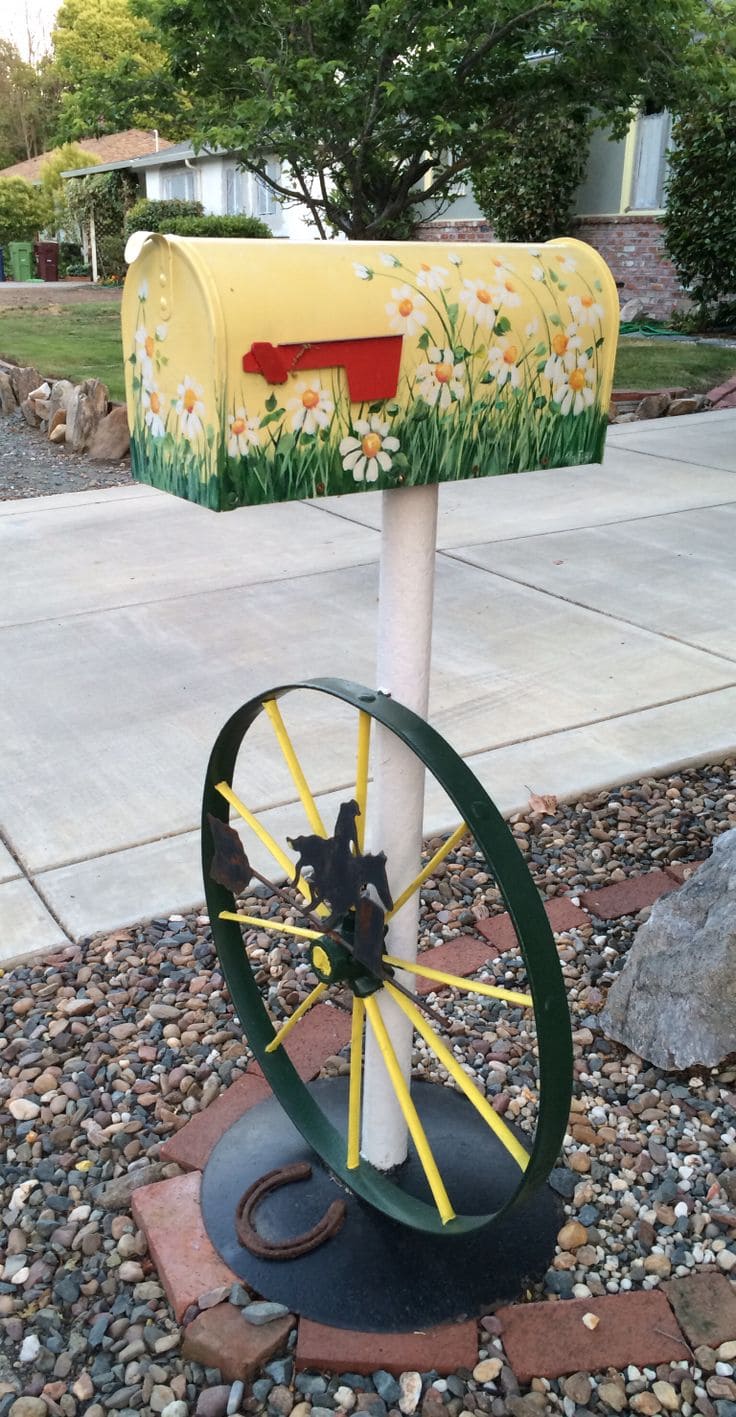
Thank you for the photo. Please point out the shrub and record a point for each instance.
(242, 226)
(526, 185)
(24, 210)
(149, 215)
(701, 200)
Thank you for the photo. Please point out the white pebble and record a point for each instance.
(30, 1349)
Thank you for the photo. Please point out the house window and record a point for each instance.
(178, 183)
(265, 201)
(235, 191)
(650, 162)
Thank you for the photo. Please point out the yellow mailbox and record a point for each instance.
(260, 371)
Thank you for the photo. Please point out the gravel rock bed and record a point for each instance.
(110, 1046)
(31, 466)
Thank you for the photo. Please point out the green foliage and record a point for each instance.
(701, 201)
(68, 341)
(150, 215)
(24, 210)
(378, 107)
(114, 73)
(526, 183)
(233, 226)
(29, 98)
(64, 159)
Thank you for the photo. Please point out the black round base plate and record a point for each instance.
(374, 1274)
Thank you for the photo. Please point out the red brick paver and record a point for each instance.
(169, 1215)
(547, 1340)
(342, 1350)
(222, 1338)
(462, 956)
(682, 870)
(628, 897)
(705, 1305)
(724, 395)
(561, 913)
(322, 1032)
(191, 1146)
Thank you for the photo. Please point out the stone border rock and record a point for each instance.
(80, 416)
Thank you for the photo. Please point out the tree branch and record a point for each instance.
(499, 33)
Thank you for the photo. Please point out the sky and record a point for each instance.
(19, 18)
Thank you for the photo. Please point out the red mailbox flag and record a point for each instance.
(371, 365)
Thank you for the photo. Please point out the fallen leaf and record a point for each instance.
(544, 802)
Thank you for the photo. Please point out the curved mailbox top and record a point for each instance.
(261, 371)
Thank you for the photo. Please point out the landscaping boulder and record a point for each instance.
(694, 404)
(60, 392)
(653, 406)
(24, 381)
(86, 407)
(112, 437)
(632, 310)
(675, 1001)
(29, 410)
(8, 401)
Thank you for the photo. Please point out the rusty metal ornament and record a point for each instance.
(291, 1249)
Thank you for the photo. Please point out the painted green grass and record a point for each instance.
(672, 364)
(77, 342)
(470, 444)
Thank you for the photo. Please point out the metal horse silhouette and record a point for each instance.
(340, 872)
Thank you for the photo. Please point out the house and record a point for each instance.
(114, 148)
(212, 177)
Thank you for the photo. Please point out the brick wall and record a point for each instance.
(633, 247)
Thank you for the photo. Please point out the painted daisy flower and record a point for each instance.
(584, 309)
(537, 271)
(432, 277)
(153, 404)
(502, 359)
(387, 259)
(567, 263)
(190, 407)
(506, 294)
(146, 348)
(562, 352)
(453, 257)
(480, 301)
(405, 312)
(311, 408)
(362, 272)
(242, 434)
(574, 391)
(368, 454)
(441, 379)
(531, 328)
(143, 290)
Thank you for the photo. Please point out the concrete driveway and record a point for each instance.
(584, 635)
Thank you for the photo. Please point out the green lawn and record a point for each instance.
(672, 364)
(83, 341)
(71, 342)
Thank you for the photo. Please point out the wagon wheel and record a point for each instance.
(333, 960)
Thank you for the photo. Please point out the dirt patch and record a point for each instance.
(52, 294)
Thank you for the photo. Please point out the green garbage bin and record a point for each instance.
(21, 260)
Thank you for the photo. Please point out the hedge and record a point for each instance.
(232, 226)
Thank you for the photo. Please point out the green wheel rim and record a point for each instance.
(523, 903)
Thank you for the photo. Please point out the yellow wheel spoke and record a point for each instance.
(285, 1030)
(411, 1116)
(361, 773)
(356, 1083)
(278, 926)
(295, 768)
(431, 866)
(270, 842)
(449, 1061)
(472, 986)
